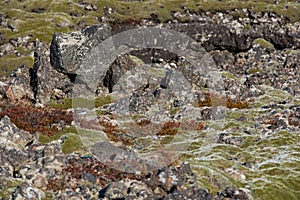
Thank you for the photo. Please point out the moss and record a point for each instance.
(135, 117)
(41, 19)
(157, 72)
(42, 138)
(90, 137)
(136, 60)
(169, 128)
(173, 111)
(10, 62)
(23, 51)
(263, 43)
(227, 75)
(72, 143)
(253, 70)
(102, 100)
(33, 120)
(48, 196)
(7, 187)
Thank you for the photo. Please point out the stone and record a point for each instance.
(12, 134)
(67, 51)
(114, 191)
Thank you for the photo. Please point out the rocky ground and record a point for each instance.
(159, 127)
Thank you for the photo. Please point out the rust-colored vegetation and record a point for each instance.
(143, 122)
(114, 133)
(75, 168)
(169, 128)
(44, 120)
(209, 100)
(238, 103)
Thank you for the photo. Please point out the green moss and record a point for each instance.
(135, 117)
(157, 72)
(72, 143)
(23, 51)
(173, 111)
(42, 138)
(263, 43)
(48, 196)
(103, 100)
(253, 70)
(41, 19)
(9, 62)
(136, 60)
(7, 187)
(227, 75)
(90, 137)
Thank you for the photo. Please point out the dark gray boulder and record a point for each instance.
(67, 51)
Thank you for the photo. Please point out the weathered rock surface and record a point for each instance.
(69, 50)
(40, 83)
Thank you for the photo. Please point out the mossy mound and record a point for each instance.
(263, 43)
(10, 62)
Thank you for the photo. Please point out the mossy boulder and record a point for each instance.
(263, 43)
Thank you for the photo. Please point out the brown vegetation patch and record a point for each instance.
(169, 128)
(209, 100)
(32, 119)
(114, 133)
(77, 168)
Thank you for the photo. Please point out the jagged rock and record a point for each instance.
(40, 83)
(235, 193)
(192, 193)
(69, 50)
(146, 86)
(225, 138)
(11, 134)
(119, 67)
(115, 190)
(25, 191)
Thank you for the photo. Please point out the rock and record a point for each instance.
(19, 91)
(122, 64)
(25, 191)
(115, 190)
(234, 193)
(225, 138)
(68, 50)
(11, 134)
(39, 83)
(192, 193)
(39, 181)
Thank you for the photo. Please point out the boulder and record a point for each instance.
(68, 50)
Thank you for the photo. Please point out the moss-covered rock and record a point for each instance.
(72, 143)
(263, 43)
(8, 186)
(10, 62)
